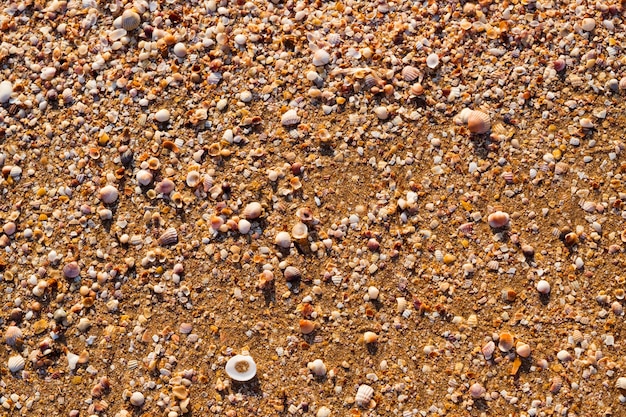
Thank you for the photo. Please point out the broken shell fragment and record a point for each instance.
(370, 337)
(241, 368)
(252, 210)
(317, 367)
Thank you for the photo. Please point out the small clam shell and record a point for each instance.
(165, 186)
(71, 270)
(432, 61)
(522, 349)
(410, 73)
(476, 390)
(364, 395)
(478, 122)
(283, 239)
(130, 20)
(306, 326)
(321, 58)
(621, 383)
(577, 337)
(291, 273)
(498, 219)
(169, 237)
(300, 231)
(586, 123)
(193, 179)
(488, 350)
(108, 194)
(462, 117)
(12, 335)
(290, 118)
(16, 363)
(564, 356)
(144, 177)
(252, 210)
(241, 368)
(555, 386)
(505, 342)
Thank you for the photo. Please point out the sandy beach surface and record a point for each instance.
(312, 208)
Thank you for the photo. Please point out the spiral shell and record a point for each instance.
(169, 237)
(290, 118)
(130, 20)
(478, 122)
(16, 363)
(410, 73)
(364, 395)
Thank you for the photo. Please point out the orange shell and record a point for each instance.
(478, 122)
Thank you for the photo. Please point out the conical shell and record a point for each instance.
(16, 363)
(290, 118)
(169, 237)
(478, 122)
(410, 73)
(364, 395)
(130, 20)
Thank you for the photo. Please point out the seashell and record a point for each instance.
(617, 308)
(621, 383)
(586, 123)
(306, 326)
(6, 89)
(283, 240)
(108, 194)
(144, 177)
(153, 163)
(137, 399)
(317, 367)
(493, 265)
(16, 363)
(622, 83)
(463, 116)
(241, 368)
(478, 122)
(432, 61)
(291, 273)
(371, 81)
(561, 168)
(169, 237)
(290, 118)
(417, 89)
(522, 349)
(543, 287)
(381, 112)
(577, 337)
(364, 395)
(252, 210)
(193, 179)
(508, 177)
(559, 65)
(130, 20)
(505, 341)
(488, 350)
(336, 279)
(300, 232)
(12, 335)
(564, 356)
(71, 270)
(321, 58)
(410, 73)
(588, 24)
(588, 206)
(215, 149)
(472, 320)
(373, 293)
(243, 226)
(498, 219)
(466, 228)
(557, 383)
(476, 390)
(370, 337)
(165, 186)
(162, 116)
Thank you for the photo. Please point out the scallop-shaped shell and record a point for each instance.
(241, 368)
(505, 342)
(432, 60)
(364, 395)
(16, 363)
(144, 177)
(410, 73)
(252, 210)
(577, 337)
(283, 239)
(466, 228)
(493, 265)
(371, 80)
(290, 118)
(439, 255)
(621, 383)
(478, 122)
(321, 58)
(522, 349)
(130, 20)
(12, 335)
(488, 350)
(169, 237)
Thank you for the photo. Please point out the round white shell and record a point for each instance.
(16, 363)
(621, 383)
(364, 395)
(241, 368)
(317, 367)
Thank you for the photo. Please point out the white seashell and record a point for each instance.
(180, 50)
(472, 320)
(439, 255)
(290, 118)
(336, 279)
(364, 395)
(588, 206)
(588, 24)
(621, 383)
(162, 115)
(300, 232)
(370, 337)
(12, 335)
(410, 73)
(381, 112)
(241, 39)
(144, 177)
(543, 286)
(373, 293)
(478, 122)
(169, 237)
(402, 303)
(586, 123)
(321, 58)
(130, 20)
(241, 368)
(283, 240)
(317, 367)
(6, 89)
(432, 61)
(72, 360)
(117, 34)
(488, 350)
(214, 78)
(108, 194)
(16, 363)
(522, 349)
(557, 383)
(193, 179)
(564, 356)
(461, 118)
(243, 226)
(476, 390)
(252, 210)
(493, 265)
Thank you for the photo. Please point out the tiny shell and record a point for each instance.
(283, 239)
(300, 232)
(462, 117)
(317, 367)
(586, 123)
(588, 24)
(130, 20)
(169, 237)
(432, 61)
(410, 73)
(564, 356)
(370, 337)
(162, 115)
(108, 194)
(6, 89)
(291, 273)
(290, 118)
(193, 179)
(498, 219)
(144, 177)
(252, 210)
(16, 363)
(241, 368)
(381, 112)
(522, 349)
(478, 122)
(476, 390)
(557, 383)
(166, 186)
(543, 287)
(364, 395)
(321, 58)
(71, 270)
(505, 342)
(621, 383)
(12, 335)
(488, 350)
(307, 326)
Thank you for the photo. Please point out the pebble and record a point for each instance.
(162, 115)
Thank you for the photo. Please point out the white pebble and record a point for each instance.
(241, 39)
(162, 115)
(180, 50)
